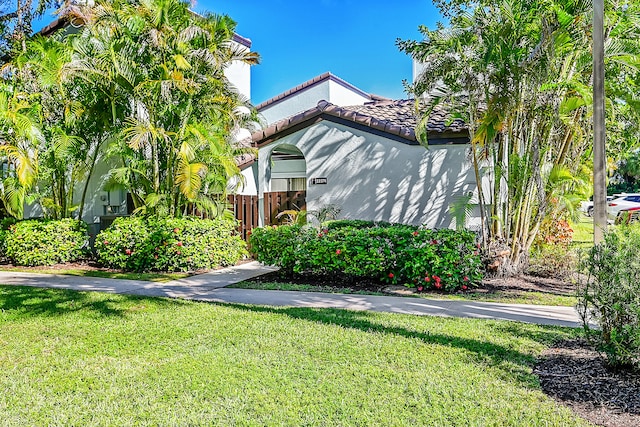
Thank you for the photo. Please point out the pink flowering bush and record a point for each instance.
(169, 244)
(424, 259)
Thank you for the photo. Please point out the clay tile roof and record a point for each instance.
(397, 119)
(403, 113)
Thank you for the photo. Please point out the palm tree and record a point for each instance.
(20, 136)
(179, 110)
(518, 72)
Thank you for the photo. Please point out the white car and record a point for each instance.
(622, 202)
(587, 206)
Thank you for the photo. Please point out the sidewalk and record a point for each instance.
(211, 287)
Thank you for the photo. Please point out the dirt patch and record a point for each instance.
(527, 283)
(576, 375)
(514, 285)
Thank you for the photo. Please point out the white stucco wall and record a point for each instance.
(97, 199)
(296, 103)
(375, 178)
(327, 90)
(343, 96)
(249, 185)
(239, 74)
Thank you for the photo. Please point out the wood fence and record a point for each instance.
(245, 208)
(276, 202)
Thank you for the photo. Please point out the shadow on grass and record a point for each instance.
(28, 301)
(513, 364)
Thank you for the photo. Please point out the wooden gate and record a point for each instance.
(245, 209)
(276, 202)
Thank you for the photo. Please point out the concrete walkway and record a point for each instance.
(211, 287)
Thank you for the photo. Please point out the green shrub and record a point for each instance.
(399, 254)
(610, 296)
(169, 244)
(46, 242)
(3, 244)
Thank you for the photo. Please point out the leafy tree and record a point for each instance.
(518, 72)
(162, 69)
(19, 136)
(16, 20)
(143, 85)
(627, 176)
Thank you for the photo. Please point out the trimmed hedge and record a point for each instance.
(169, 244)
(399, 254)
(45, 242)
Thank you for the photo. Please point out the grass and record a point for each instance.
(150, 277)
(76, 358)
(510, 297)
(582, 232)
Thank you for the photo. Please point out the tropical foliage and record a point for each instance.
(45, 242)
(141, 88)
(610, 296)
(170, 244)
(420, 258)
(518, 72)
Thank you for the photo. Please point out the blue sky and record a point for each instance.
(355, 40)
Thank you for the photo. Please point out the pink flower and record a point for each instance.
(105, 242)
(179, 243)
(434, 242)
(390, 275)
(415, 233)
(465, 278)
(127, 251)
(179, 253)
(464, 287)
(420, 288)
(176, 230)
(155, 256)
(338, 251)
(427, 279)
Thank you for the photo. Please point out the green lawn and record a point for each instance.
(151, 277)
(71, 358)
(512, 297)
(582, 232)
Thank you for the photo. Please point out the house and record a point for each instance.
(328, 143)
(365, 160)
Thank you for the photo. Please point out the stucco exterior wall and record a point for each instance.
(293, 104)
(375, 178)
(249, 186)
(328, 90)
(239, 74)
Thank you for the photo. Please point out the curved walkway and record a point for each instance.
(211, 287)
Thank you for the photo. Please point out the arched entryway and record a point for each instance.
(286, 181)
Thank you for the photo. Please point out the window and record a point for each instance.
(288, 184)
